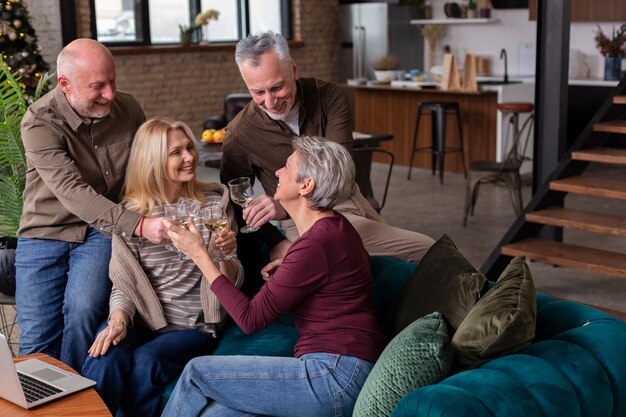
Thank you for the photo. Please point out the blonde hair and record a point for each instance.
(145, 175)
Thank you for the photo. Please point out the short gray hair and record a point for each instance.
(251, 48)
(329, 165)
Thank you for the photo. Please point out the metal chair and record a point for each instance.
(8, 321)
(363, 178)
(507, 171)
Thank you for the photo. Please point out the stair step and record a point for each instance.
(606, 155)
(613, 126)
(619, 100)
(591, 186)
(572, 256)
(591, 222)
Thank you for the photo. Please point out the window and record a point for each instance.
(154, 22)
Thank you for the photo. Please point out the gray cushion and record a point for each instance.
(420, 355)
(443, 281)
(502, 321)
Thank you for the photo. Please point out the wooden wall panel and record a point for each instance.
(589, 10)
(394, 110)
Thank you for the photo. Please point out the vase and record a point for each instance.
(612, 68)
(204, 39)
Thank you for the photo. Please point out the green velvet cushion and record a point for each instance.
(420, 355)
(444, 281)
(502, 321)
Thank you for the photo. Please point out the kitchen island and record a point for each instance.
(393, 110)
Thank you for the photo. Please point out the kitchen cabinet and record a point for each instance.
(589, 10)
(393, 110)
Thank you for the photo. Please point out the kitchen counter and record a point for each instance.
(393, 110)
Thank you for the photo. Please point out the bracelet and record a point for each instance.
(141, 226)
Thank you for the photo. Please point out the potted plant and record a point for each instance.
(186, 32)
(13, 105)
(612, 50)
(202, 21)
(386, 68)
(471, 9)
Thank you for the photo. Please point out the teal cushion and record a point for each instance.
(502, 321)
(387, 284)
(420, 355)
(277, 339)
(444, 281)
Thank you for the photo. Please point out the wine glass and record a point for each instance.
(173, 213)
(214, 218)
(241, 193)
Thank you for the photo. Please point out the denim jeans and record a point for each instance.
(62, 294)
(131, 377)
(314, 385)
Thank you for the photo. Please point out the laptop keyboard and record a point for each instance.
(35, 390)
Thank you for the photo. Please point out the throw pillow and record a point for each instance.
(420, 355)
(502, 321)
(443, 281)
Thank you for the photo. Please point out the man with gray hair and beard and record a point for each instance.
(77, 140)
(258, 142)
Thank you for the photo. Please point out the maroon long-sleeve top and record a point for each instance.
(325, 283)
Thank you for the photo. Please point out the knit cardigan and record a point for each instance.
(128, 276)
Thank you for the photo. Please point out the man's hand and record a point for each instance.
(263, 209)
(114, 333)
(154, 230)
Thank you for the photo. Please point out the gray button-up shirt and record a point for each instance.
(76, 168)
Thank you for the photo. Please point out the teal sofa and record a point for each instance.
(575, 367)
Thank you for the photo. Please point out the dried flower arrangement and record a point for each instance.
(613, 46)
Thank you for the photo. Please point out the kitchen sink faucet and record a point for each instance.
(506, 70)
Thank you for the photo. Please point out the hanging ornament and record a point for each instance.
(24, 54)
(17, 23)
(8, 6)
(12, 36)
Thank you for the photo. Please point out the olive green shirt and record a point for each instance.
(76, 168)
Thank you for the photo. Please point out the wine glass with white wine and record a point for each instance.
(241, 193)
(214, 218)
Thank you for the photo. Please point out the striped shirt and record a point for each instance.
(176, 283)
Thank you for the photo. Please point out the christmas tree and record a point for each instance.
(18, 44)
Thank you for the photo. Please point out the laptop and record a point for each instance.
(33, 382)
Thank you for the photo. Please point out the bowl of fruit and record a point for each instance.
(213, 135)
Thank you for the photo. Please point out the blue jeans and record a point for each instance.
(131, 377)
(314, 385)
(62, 294)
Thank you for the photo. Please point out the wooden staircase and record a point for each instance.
(596, 144)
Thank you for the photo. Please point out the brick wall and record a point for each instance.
(190, 86)
(46, 20)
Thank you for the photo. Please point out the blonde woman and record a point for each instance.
(162, 311)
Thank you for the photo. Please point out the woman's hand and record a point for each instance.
(113, 334)
(190, 241)
(269, 269)
(226, 240)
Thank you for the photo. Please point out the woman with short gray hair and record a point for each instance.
(324, 282)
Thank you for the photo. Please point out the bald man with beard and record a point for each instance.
(77, 140)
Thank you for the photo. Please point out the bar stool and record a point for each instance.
(507, 171)
(438, 148)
